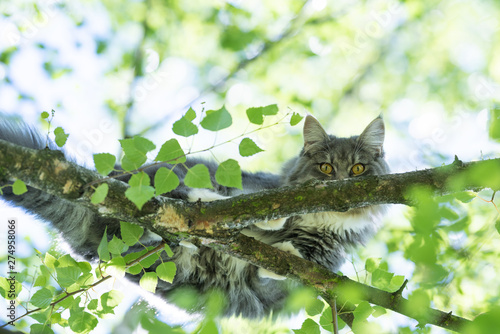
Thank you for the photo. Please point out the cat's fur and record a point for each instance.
(319, 237)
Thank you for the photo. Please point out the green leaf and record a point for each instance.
(295, 119)
(315, 307)
(256, 115)
(248, 147)
(102, 250)
(61, 137)
(485, 322)
(65, 303)
(168, 251)
(66, 261)
(371, 264)
(131, 233)
(309, 326)
(171, 152)
(40, 329)
(149, 281)
(100, 194)
(465, 196)
(82, 322)
(396, 282)
(326, 320)
(42, 298)
(104, 163)
(207, 327)
(184, 127)
(135, 150)
(44, 115)
(165, 180)
(67, 276)
(84, 266)
(49, 261)
(144, 263)
(41, 280)
(363, 311)
(420, 302)
(190, 114)
(19, 187)
(110, 300)
(229, 174)
(41, 317)
(379, 311)
(140, 190)
(116, 246)
(198, 176)
(495, 123)
(166, 271)
(381, 279)
(116, 267)
(85, 280)
(92, 305)
(216, 120)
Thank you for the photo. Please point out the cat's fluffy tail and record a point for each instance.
(79, 225)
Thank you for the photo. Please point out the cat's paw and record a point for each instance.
(288, 247)
(187, 244)
(204, 195)
(275, 224)
(264, 273)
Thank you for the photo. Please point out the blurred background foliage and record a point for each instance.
(113, 69)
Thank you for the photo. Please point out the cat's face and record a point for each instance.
(326, 157)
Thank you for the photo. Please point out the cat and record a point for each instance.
(250, 291)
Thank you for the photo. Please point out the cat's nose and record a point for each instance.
(342, 175)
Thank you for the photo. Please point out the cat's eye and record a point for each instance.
(358, 169)
(326, 168)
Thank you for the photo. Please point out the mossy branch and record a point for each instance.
(51, 172)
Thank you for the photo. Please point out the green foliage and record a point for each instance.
(171, 152)
(229, 174)
(309, 326)
(216, 120)
(149, 281)
(140, 190)
(60, 136)
(104, 163)
(495, 123)
(165, 180)
(19, 187)
(256, 115)
(166, 271)
(248, 147)
(198, 176)
(295, 119)
(100, 193)
(135, 150)
(130, 233)
(184, 127)
(485, 323)
(102, 250)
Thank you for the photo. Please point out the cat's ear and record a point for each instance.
(313, 132)
(373, 136)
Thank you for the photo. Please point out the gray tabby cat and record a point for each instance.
(320, 237)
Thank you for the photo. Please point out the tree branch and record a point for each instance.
(51, 172)
(330, 285)
(218, 222)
